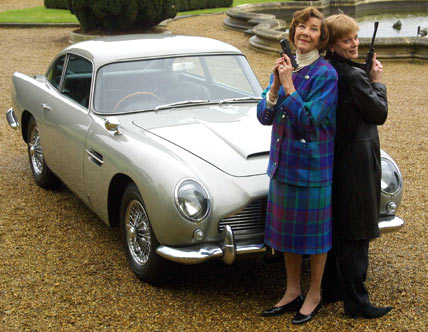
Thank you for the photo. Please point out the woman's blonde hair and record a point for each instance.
(339, 26)
(301, 16)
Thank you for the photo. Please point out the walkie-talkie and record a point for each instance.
(287, 50)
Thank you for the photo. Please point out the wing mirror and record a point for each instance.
(112, 124)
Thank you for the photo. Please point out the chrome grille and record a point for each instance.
(251, 220)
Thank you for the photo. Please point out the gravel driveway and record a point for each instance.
(62, 269)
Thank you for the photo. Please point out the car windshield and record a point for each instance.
(161, 83)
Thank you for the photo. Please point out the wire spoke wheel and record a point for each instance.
(138, 238)
(36, 152)
(40, 170)
(138, 232)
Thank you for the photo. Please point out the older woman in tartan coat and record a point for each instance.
(300, 105)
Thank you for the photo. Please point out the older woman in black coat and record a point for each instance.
(362, 106)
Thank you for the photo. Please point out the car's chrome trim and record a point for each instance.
(250, 220)
(11, 118)
(46, 107)
(200, 253)
(390, 224)
(177, 204)
(112, 123)
(228, 249)
(95, 157)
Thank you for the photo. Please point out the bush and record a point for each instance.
(186, 5)
(57, 4)
(121, 15)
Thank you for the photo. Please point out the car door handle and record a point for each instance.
(95, 157)
(46, 107)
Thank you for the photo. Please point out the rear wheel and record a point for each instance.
(41, 172)
(138, 238)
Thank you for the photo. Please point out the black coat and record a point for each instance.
(357, 167)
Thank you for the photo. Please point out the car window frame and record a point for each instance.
(64, 71)
(50, 68)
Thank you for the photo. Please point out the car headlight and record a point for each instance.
(192, 200)
(391, 177)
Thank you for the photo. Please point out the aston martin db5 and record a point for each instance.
(158, 134)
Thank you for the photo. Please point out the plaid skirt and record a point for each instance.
(298, 219)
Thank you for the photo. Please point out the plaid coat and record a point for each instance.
(303, 127)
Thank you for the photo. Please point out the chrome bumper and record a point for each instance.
(11, 118)
(228, 250)
(389, 224)
(199, 253)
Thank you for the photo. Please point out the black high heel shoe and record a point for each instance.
(289, 307)
(300, 318)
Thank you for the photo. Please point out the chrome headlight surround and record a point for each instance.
(391, 182)
(192, 200)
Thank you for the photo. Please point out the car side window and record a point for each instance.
(55, 72)
(77, 81)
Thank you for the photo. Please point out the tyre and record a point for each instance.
(138, 238)
(41, 172)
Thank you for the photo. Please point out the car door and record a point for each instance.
(66, 120)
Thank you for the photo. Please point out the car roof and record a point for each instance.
(118, 48)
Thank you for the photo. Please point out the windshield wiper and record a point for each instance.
(182, 103)
(237, 100)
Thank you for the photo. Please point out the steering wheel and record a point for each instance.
(136, 95)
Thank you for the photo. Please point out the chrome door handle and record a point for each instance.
(95, 157)
(46, 107)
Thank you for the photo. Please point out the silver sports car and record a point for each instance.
(158, 134)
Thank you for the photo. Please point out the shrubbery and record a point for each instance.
(121, 15)
(128, 15)
(57, 4)
(185, 5)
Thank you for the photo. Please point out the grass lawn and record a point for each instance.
(44, 15)
(38, 15)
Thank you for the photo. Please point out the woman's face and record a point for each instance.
(307, 35)
(347, 46)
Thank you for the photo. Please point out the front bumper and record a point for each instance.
(389, 224)
(11, 118)
(228, 249)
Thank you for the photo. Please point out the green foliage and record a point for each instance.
(57, 4)
(185, 5)
(152, 12)
(121, 15)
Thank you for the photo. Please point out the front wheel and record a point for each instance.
(41, 172)
(138, 238)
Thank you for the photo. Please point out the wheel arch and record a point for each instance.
(116, 189)
(25, 119)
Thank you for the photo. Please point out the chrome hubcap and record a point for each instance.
(138, 232)
(36, 152)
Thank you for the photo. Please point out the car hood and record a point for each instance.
(227, 136)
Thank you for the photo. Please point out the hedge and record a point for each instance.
(126, 15)
(57, 4)
(181, 5)
(121, 15)
(186, 5)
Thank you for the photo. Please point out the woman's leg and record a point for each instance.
(293, 264)
(313, 297)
